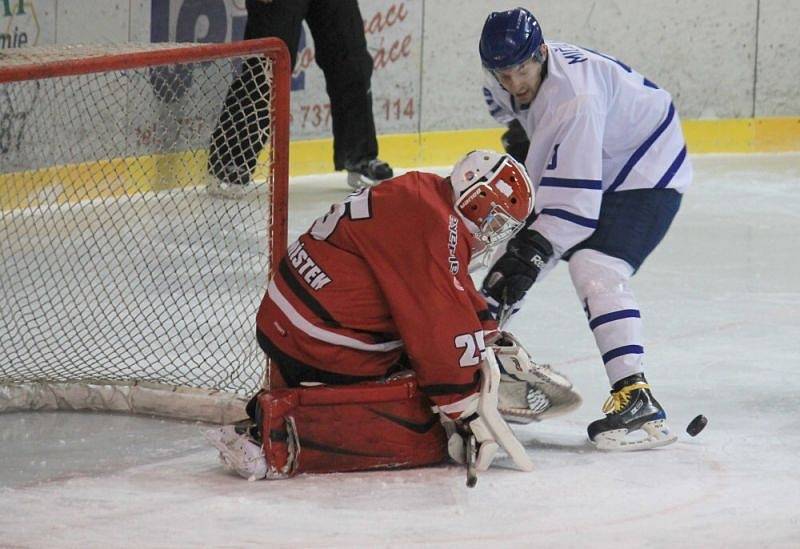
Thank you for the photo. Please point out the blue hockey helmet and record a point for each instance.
(509, 38)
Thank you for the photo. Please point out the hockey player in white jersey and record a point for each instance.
(608, 160)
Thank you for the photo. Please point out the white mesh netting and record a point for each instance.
(119, 269)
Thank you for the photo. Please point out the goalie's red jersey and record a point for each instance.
(382, 273)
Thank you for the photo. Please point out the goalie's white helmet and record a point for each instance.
(493, 194)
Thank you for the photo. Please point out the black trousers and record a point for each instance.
(341, 52)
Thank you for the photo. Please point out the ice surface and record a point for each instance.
(721, 309)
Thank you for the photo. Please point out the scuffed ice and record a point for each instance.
(720, 303)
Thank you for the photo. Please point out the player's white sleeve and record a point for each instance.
(571, 188)
(496, 108)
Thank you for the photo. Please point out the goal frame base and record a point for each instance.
(141, 398)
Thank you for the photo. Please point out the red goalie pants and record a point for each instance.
(328, 429)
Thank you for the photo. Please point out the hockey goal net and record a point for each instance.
(126, 286)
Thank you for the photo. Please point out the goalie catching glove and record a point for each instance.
(529, 391)
(478, 415)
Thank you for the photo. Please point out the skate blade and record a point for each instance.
(656, 434)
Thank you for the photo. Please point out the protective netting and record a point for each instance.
(118, 266)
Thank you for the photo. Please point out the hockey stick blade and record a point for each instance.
(471, 454)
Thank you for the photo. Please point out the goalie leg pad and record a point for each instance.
(329, 429)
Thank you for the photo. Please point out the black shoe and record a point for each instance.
(631, 407)
(367, 172)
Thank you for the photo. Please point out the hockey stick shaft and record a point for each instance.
(471, 452)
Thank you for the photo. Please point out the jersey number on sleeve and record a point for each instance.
(356, 206)
(474, 348)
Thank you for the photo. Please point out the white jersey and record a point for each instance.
(595, 126)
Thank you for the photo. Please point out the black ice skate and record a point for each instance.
(634, 418)
(367, 173)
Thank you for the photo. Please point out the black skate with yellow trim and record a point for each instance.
(634, 418)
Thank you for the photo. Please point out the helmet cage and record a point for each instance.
(498, 226)
(494, 198)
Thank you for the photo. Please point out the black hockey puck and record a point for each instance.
(697, 425)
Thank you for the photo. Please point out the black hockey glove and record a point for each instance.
(516, 271)
(515, 141)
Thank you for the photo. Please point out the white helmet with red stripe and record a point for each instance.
(493, 194)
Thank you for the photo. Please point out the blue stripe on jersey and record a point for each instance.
(592, 184)
(674, 167)
(648, 83)
(643, 148)
(611, 317)
(495, 110)
(625, 67)
(577, 219)
(489, 99)
(625, 350)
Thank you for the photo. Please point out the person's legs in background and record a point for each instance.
(341, 52)
(243, 126)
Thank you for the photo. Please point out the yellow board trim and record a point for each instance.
(733, 135)
(748, 135)
(85, 181)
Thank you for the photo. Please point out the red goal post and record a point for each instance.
(125, 285)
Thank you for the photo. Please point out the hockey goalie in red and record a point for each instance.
(373, 326)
